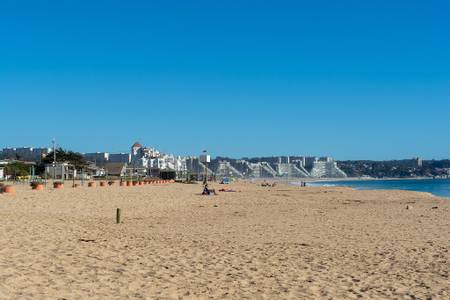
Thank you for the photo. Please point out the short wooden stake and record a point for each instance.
(118, 216)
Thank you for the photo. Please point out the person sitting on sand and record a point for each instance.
(207, 191)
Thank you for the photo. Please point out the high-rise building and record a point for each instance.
(419, 162)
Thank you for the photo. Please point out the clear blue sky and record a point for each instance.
(350, 79)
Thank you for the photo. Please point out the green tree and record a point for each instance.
(17, 169)
(74, 158)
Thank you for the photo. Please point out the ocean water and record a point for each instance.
(438, 187)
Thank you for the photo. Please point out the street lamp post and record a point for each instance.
(54, 159)
(205, 180)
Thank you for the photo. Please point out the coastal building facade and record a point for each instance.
(61, 171)
(119, 158)
(116, 169)
(25, 153)
(97, 157)
(147, 161)
(273, 167)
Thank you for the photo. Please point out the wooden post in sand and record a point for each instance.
(118, 216)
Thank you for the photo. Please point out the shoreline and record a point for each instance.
(373, 179)
(296, 179)
(442, 193)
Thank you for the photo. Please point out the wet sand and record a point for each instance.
(258, 243)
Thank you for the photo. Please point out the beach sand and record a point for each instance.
(258, 243)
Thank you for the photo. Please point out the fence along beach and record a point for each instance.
(167, 241)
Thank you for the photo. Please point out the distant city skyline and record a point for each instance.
(347, 79)
(203, 151)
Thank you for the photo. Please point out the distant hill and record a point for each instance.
(396, 168)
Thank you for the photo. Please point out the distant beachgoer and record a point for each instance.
(227, 190)
(207, 191)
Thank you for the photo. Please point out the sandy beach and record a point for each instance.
(282, 242)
